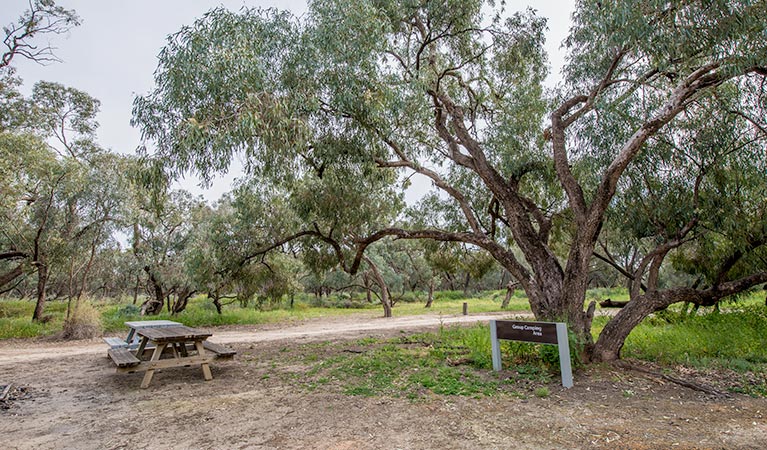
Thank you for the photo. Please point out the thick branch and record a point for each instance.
(13, 254)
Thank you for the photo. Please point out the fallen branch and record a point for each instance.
(5, 392)
(610, 303)
(688, 384)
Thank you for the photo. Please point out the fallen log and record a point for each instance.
(609, 303)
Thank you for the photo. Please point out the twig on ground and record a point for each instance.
(688, 384)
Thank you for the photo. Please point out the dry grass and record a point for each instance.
(83, 323)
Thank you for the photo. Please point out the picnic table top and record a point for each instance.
(151, 323)
(178, 333)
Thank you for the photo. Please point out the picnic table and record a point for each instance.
(132, 340)
(174, 346)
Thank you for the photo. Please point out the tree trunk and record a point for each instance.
(430, 298)
(608, 346)
(450, 282)
(510, 288)
(615, 332)
(153, 306)
(42, 281)
(466, 283)
(378, 278)
(368, 293)
(502, 281)
(136, 288)
(182, 298)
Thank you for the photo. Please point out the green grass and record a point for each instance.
(736, 339)
(453, 361)
(395, 368)
(15, 319)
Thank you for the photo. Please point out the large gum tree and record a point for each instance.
(452, 91)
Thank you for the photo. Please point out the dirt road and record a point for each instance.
(325, 328)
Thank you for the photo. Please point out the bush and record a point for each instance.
(449, 295)
(129, 310)
(83, 323)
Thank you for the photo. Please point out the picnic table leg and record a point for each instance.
(205, 367)
(150, 372)
(141, 347)
(130, 337)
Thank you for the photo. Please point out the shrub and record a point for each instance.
(83, 323)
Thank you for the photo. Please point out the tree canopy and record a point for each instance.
(357, 94)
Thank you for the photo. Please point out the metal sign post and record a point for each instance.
(553, 333)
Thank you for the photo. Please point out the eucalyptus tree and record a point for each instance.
(163, 231)
(225, 257)
(451, 91)
(62, 194)
(696, 200)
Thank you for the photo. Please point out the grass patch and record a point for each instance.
(735, 340)
(453, 361)
(16, 319)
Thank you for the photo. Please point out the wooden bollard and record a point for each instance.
(465, 309)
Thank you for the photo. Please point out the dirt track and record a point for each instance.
(326, 328)
(73, 399)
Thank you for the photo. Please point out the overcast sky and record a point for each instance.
(112, 55)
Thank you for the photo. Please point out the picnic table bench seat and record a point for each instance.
(219, 350)
(115, 342)
(122, 357)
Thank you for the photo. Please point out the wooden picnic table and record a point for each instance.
(132, 340)
(185, 345)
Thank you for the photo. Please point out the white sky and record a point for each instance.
(112, 55)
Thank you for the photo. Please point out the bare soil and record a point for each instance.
(67, 395)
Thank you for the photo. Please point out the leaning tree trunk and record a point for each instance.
(368, 289)
(611, 339)
(379, 279)
(430, 298)
(510, 288)
(182, 298)
(11, 275)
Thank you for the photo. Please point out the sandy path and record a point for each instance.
(315, 329)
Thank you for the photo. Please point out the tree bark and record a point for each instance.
(182, 298)
(11, 275)
(510, 288)
(379, 279)
(430, 297)
(42, 281)
(153, 306)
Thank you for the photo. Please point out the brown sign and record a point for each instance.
(540, 332)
